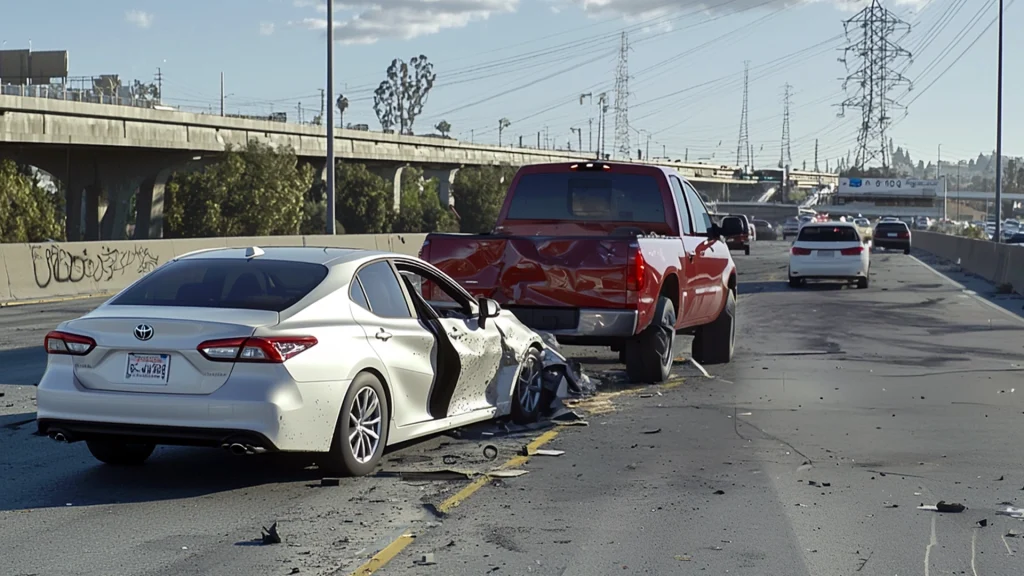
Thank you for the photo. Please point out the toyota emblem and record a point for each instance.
(143, 332)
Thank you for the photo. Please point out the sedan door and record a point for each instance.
(403, 342)
(475, 385)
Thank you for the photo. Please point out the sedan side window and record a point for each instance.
(384, 293)
(445, 298)
(358, 295)
(701, 218)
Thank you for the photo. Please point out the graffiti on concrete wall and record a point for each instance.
(51, 263)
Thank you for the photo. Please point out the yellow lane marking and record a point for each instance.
(392, 550)
(380, 559)
(13, 303)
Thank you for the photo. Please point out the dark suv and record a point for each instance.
(892, 236)
(737, 233)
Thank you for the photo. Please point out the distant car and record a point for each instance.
(736, 233)
(791, 227)
(829, 251)
(764, 230)
(864, 227)
(892, 235)
(300, 349)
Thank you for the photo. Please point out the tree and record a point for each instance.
(146, 92)
(421, 209)
(28, 211)
(364, 202)
(399, 99)
(479, 194)
(443, 127)
(342, 106)
(253, 191)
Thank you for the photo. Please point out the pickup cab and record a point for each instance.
(603, 254)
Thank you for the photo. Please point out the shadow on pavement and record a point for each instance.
(22, 366)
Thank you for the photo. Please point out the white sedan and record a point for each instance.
(286, 349)
(829, 251)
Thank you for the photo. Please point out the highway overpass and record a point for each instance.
(109, 152)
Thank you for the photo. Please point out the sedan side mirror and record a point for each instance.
(487, 309)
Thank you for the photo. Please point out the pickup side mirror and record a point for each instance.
(714, 232)
(487, 309)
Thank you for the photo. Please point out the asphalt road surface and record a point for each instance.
(843, 411)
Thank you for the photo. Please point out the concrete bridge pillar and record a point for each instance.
(391, 174)
(445, 183)
(149, 206)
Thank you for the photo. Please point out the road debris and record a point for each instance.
(491, 452)
(654, 431)
(415, 475)
(982, 523)
(719, 492)
(426, 560)
(543, 452)
(943, 507)
(270, 536)
(683, 557)
(507, 473)
(1012, 512)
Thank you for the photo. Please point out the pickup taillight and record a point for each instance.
(636, 269)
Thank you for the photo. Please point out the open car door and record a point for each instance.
(469, 355)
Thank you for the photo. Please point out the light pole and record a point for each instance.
(330, 118)
(958, 165)
(999, 131)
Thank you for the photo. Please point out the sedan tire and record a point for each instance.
(529, 396)
(362, 429)
(120, 452)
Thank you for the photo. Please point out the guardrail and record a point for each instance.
(56, 271)
(1002, 264)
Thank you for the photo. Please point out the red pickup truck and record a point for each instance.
(603, 254)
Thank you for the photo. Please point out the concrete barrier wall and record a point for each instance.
(997, 263)
(66, 269)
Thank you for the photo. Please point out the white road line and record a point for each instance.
(969, 292)
(928, 549)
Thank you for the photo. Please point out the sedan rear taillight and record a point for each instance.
(57, 342)
(255, 349)
(796, 251)
(852, 251)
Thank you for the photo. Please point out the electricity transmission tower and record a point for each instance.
(743, 146)
(786, 155)
(871, 61)
(622, 101)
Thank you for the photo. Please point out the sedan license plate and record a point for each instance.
(891, 234)
(826, 253)
(148, 368)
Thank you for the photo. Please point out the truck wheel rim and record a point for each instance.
(528, 386)
(666, 338)
(364, 425)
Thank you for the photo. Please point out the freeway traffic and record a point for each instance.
(842, 411)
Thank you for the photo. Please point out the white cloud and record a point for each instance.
(367, 21)
(139, 18)
(655, 8)
(266, 28)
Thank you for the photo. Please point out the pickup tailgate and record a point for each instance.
(542, 271)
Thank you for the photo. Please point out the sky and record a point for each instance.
(529, 60)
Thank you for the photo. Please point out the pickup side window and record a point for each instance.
(587, 197)
(701, 218)
(684, 214)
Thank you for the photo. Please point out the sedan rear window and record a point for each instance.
(828, 234)
(590, 197)
(271, 285)
(892, 227)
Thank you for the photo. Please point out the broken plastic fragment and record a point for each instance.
(944, 507)
(507, 473)
(270, 536)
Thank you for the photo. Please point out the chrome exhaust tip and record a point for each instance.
(238, 449)
(58, 436)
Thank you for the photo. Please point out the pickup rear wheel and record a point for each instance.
(715, 342)
(649, 356)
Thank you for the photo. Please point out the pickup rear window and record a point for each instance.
(828, 234)
(590, 197)
(892, 227)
